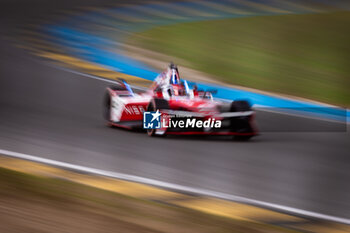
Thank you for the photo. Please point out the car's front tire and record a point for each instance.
(153, 106)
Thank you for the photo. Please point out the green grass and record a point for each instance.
(301, 55)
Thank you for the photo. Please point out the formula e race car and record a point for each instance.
(170, 106)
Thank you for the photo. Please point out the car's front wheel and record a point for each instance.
(153, 106)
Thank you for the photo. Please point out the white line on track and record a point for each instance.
(93, 76)
(176, 187)
(298, 114)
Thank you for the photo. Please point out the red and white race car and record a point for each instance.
(182, 110)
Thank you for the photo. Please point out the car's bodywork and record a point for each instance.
(124, 108)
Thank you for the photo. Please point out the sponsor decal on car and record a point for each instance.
(134, 109)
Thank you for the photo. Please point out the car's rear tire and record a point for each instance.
(154, 105)
(241, 124)
(240, 106)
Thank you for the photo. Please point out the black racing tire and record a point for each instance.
(156, 103)
(161, 103)
(240, 106)
(239, 124)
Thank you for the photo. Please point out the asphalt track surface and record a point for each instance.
(56, 114)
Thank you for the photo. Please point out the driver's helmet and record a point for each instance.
(174, 74)
(177, 87)
(178, 90)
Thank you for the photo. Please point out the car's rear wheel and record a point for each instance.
(241, 124)
(240, 106)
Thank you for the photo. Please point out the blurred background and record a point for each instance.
(281, 55)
